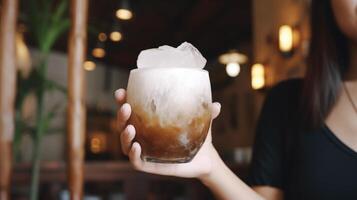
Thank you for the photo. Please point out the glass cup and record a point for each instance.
(170, 112)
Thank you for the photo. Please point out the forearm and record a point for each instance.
(226, 185)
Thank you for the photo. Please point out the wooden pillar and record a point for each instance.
(7, 91)
(76, 97)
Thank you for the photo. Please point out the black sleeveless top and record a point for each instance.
(304, 164)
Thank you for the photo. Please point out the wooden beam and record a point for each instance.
(76, 98)
(7, 91)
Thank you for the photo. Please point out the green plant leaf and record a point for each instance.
(45, 13)
(57, 25)
(59, 12)
(49, 117)
(46, 24)
(52, 86)
(26, 86)
(17, 134)
(54, 33)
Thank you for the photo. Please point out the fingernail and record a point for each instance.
(135, 146)
(129, 129)
(125, 108)
(118, 93)
(127, 132)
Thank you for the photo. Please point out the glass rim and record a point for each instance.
(168, 68)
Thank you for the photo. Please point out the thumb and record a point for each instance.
(215, 109)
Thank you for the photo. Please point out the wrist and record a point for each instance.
(217, 165)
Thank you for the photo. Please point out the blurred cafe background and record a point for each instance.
(250, 45)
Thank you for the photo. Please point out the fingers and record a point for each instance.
(149, 167)
(120, 96)
(134, 156)
(126, 138)
(123, 116)
(216, 109)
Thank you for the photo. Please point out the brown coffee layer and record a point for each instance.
(169, 143)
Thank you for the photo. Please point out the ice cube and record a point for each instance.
(184, 56)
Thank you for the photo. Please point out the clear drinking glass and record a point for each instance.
(170, 111)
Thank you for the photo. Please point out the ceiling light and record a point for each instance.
(89, 65)
(116, 36)
(99, 49)
(98, 52)
(258, 76)
(102, 37)
(286, 38)
(124, 12)
(233, 69)
(232, 56)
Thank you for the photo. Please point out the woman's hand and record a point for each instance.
(201, 165)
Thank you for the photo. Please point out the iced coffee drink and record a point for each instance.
(170, 96)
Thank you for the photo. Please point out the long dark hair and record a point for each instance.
(326, 64)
